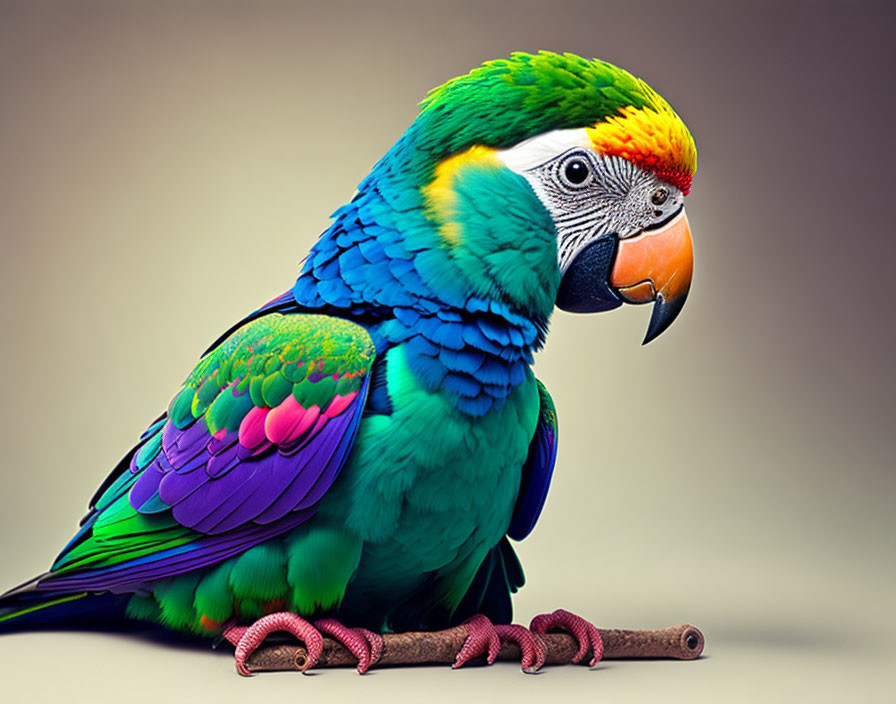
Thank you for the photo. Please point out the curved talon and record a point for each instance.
(584, 631)
(365, 645)
(375, 641)
(248, 639)
(530, 645)
(482, 639)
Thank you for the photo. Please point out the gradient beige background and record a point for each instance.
(165, 166)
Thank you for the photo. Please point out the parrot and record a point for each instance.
(355, 456)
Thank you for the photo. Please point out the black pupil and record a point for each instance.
(659, 196)
(576, 171)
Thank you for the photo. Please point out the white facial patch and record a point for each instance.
(535, 151)
(589, 195)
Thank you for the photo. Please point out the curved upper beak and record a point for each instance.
(656, 265)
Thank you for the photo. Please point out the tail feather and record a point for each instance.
(25, 608)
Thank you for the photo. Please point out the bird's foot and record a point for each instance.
(247, 639)
(484, 639)
(365, 645)
(584, 631)
(530, 645)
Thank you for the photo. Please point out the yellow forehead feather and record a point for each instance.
(653, 137)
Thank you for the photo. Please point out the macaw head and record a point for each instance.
(555, 180)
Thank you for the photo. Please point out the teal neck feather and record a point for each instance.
(475, 269)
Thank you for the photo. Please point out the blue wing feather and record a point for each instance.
(537, 471)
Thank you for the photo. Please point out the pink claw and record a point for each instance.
(584, 631)
(375, 641)
(530, 645)
(365, 645)
(482, 639)
(248, 639)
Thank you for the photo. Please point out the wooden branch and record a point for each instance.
(441, 647)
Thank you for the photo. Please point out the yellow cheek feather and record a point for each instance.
(440, 196)
(654, 138)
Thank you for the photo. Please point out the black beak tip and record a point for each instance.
(663, 315)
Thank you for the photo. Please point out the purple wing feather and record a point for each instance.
(248, 448)
(217, 469)
(537, 471)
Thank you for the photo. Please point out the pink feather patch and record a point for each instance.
(339, 404)
(286, 423)
(252, 428)
(310, 416)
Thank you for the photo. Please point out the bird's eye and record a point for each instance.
(576, 171)
(659, 196)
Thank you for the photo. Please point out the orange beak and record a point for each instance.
(656, 265)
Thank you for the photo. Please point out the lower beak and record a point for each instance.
(656, 265)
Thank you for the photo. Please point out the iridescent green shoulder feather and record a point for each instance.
(251, 443)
